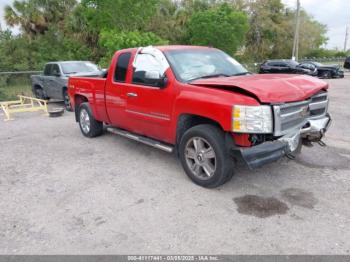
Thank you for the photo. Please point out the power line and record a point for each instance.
(295, 53)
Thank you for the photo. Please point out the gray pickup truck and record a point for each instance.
(53, 82)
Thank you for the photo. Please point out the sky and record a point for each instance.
(334, 13)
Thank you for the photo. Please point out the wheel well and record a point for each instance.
(78, 99)
(37, 87)
(187, 121)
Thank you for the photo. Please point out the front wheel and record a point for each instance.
(204, 156)
(89, 126)
(66, 100)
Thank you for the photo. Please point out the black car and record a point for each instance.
(324, 71)
(285, 66)
(347, 63)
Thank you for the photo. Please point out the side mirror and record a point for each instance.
(57, 74)
(104, 73)
(155, 78)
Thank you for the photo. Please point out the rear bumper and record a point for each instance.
(271, 151)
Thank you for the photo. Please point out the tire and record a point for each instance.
(327, 75)
(89, 126)
(210, 165)
(66, 100)
(39, 93)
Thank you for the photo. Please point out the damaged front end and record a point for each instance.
(295, 124)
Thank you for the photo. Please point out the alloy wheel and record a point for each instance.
(200, 158)
(84, 121)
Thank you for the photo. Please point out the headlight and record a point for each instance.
(252, 119)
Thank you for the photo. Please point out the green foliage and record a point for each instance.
(272, 29)
(113, 40)
(95, 29)
(326, 53)
(222, 27)
(35, 16)
(22, 53)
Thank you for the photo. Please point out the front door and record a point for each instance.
(149, 97)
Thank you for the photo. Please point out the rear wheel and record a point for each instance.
(39, 93)
(89, 126)
(327, 74)
(204, 156)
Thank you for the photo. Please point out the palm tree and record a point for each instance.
(35, 16)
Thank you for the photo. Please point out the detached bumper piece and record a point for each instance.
(262, 154)
(271, 151)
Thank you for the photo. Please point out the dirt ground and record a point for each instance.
(61, 193)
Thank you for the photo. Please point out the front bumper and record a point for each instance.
(271, 151)
(340, 74)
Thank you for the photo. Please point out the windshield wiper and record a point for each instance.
(208, 76)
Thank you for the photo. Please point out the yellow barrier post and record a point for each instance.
(24, 104)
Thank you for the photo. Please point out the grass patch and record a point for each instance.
(10, 92)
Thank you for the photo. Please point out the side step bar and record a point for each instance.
(141, 139)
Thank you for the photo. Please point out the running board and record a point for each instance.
(141, 139)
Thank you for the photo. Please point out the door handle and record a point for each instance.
(131, 94)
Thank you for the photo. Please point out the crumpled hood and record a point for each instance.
(269, 88)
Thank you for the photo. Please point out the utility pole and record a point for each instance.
(295, 53)
(346, 38)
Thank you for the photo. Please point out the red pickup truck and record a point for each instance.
(203, 105)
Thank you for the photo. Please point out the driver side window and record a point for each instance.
(147, 70)
(55, 70)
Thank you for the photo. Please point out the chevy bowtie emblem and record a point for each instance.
(304, 111)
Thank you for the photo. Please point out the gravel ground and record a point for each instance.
(61, 193)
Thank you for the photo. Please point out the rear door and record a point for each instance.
(149, 105)
(53, 82)
(115, 91)
(45, 78)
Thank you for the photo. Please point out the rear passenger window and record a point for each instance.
(122, 67)
(47, 70)
(273, 64)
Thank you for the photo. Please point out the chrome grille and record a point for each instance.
(318, 105)
(290, 116)
(293, 116)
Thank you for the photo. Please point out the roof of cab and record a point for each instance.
(164, 48)
(179, 47)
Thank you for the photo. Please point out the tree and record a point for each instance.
(91, 17)
(113, 40)
(266, 19)
(222, 27)
(272, 30)
(35, 16)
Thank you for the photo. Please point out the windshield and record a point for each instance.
(192, 64)
(79, 67)
(317, 64)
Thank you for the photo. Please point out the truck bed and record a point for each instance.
(93, 89)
